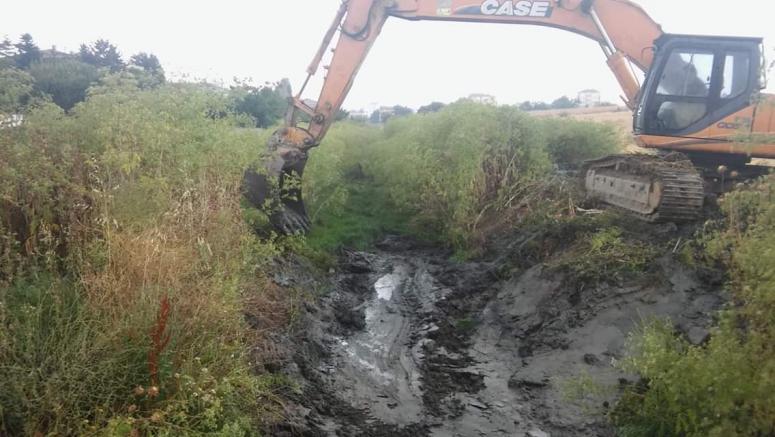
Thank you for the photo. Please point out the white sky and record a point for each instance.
(413, 63)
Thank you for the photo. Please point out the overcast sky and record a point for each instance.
(413, 63)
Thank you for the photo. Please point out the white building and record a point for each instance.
(589, 98)
(484, 99)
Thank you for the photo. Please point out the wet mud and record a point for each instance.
(402, 341)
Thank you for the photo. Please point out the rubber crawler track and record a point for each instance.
(683, 191)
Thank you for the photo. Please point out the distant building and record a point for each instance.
(589, 98)
(484, 99)
(360, 115)
(387, 111)
(53, 53)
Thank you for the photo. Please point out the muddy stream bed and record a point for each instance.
(406, 342)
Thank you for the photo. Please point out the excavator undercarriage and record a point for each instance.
(653, 188)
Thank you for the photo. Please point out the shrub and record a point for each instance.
(454, 176)
(571, 142)
(336, 164)
(16, 91)
(725, 387)
(66, 80)
(452, 169)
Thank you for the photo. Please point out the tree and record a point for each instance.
(433, 107)
(541, 106)
(65, 80)
(148, 62)
(7, 48)
(564, 103)
(16, 90)
(7, 52)
(342, 115)
(266, 104)
(151, 69)
(102, 54)
(400, 111)
(534, 106)
(376, 117)
(27, 52)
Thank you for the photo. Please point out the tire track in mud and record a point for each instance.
(374, 367)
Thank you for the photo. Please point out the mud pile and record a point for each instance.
(405, 342)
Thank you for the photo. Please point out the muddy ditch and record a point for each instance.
(402, 341)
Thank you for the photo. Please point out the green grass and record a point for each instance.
(364, 218)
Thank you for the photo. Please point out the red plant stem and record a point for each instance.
(159, 340)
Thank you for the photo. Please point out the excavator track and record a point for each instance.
(655, 189)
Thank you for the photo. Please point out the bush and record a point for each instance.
(16, 91)
(726, 387)
(265, 105)
(453, 169)
(126, 264)
(347, 206)
(571, 142)
(334, 165)
(453, 176)
(66, 80)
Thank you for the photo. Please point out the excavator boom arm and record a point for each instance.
(623, 29)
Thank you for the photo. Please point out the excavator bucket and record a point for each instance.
(275, 185)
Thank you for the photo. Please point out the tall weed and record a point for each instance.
(455, 176)
(127, 263)
(571, 142)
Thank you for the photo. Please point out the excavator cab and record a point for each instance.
(697, 81)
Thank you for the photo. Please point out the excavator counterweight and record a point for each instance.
(700, 94)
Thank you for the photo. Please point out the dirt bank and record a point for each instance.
(405, 342)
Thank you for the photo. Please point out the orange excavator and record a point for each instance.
(699, 95)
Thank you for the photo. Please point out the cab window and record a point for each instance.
(685, 83)
(737, 67)
(687, 74)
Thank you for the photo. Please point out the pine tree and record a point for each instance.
(7, 48)
(102, 54)
(27, 52)
(148, 62)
